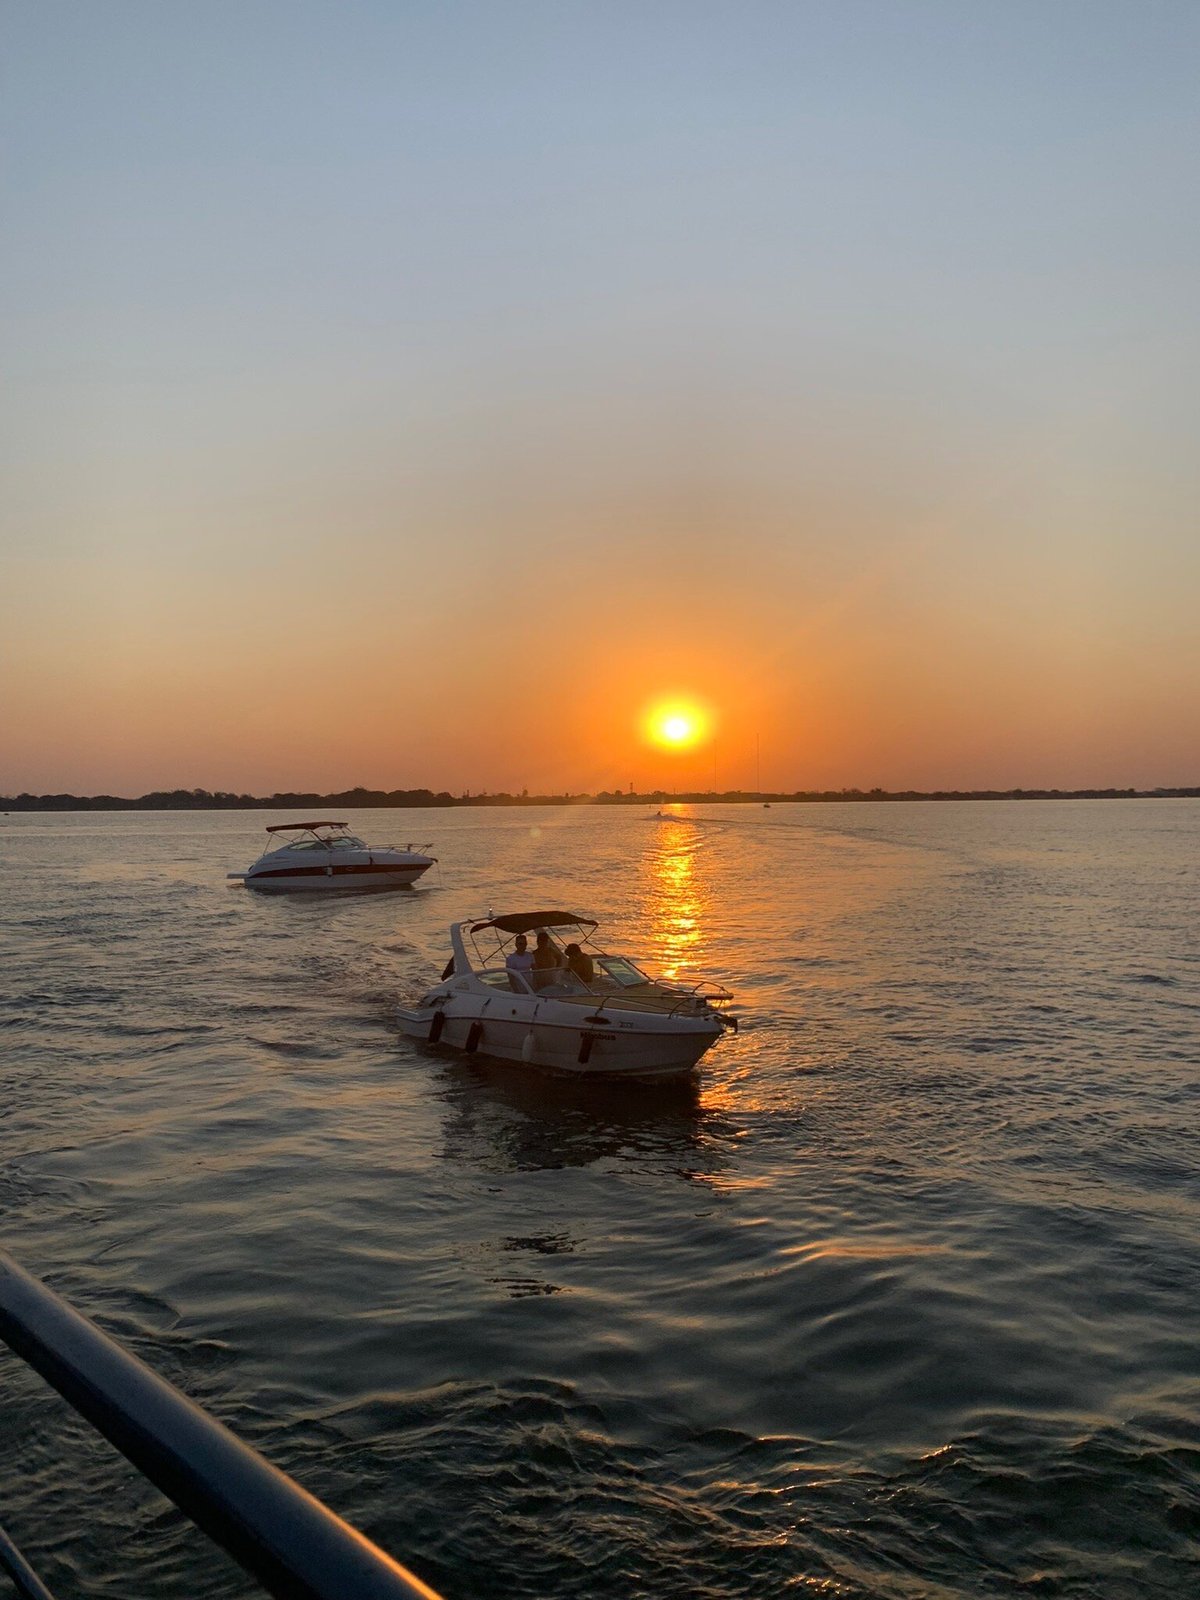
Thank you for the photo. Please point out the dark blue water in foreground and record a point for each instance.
(902, 1301)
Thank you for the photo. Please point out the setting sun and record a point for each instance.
(676, 726)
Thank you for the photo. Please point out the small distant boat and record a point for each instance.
(599, 1015)
(324, 856)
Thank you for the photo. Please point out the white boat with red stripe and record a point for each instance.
(580, 1009)
(324, 856)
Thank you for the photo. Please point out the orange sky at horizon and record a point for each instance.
(424, 425)
(869, 688)
(516, 637)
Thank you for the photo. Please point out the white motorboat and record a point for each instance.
(601, 1014)
(324, 856)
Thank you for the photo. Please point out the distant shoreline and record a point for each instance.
(426, 799)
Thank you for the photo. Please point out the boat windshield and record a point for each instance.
(622, 971)
(552, 982)
(496, 978)
(336, 841)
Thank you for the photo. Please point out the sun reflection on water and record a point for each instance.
(676, 905)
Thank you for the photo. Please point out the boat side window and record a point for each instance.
(622, 971)
(346, 841)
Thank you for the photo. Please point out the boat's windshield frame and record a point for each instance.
(551, 983)
(310, 839)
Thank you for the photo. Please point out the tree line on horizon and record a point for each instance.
(399, 799)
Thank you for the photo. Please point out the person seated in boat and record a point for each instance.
(580, 963)
(519, 960)
(546, 960)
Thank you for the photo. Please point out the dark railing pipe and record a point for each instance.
(25, 1580)
(295, 1546)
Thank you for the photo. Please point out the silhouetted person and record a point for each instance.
(546, 959)
(580, 963)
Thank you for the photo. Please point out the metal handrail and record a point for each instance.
(25, 1580)
(287, 1539)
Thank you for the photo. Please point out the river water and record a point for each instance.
(901, 1300)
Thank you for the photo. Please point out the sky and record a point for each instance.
(416, 395)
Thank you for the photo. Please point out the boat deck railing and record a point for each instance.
(292, 1544)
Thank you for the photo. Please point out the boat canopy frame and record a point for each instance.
(530, 921)
(304, 827)
(505, 930)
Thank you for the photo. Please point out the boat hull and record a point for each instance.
(638, 1047)
(340, 879)
(308, 871)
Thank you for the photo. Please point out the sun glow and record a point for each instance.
(676, 726)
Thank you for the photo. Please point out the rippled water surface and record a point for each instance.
(902, 1300)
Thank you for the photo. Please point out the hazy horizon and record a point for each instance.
(426, 393)
(679, 795)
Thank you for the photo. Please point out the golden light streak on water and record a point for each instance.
(677, 905)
